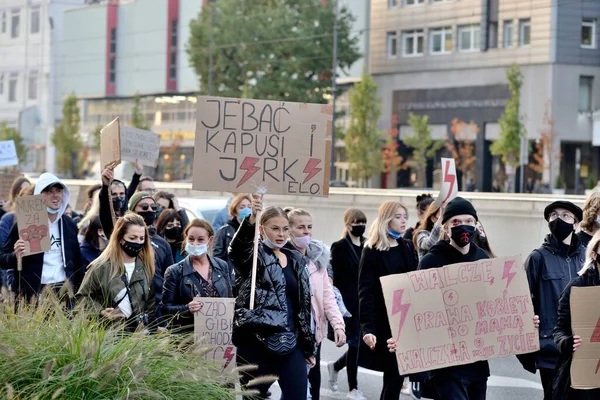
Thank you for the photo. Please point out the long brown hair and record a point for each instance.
(15, 189)
(237, 200)
(166, 216)
(353, 216)
(427, 224)
(591, 208)
(113, 253)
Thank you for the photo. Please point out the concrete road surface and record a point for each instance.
(509, 381)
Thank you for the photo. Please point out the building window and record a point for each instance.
(392, 44)
(12, 87)
(113, 40)
(4, 22)
(15, 23)
(32, 85)
(468, 37)
(588, 34)
(440, 40)
(508, 33)
(412, 2)
(524, 32)
(35, 19)
(392, 3)
(173, 63)
(413, 43)
(112, 72)
(585, 93)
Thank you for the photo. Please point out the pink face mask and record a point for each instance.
(302, 242)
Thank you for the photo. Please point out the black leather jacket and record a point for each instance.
(180, 289)
(269, 315)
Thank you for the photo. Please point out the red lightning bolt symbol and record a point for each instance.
(311, 169)
(398, 307)
(228, 356)
(248, 166)
(596, 334)
(597, 367)
(507, 273)
(450, 179)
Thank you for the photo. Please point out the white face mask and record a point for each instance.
(196, 251)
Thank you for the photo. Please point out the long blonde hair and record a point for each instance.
(378, 232)
(589, 251)
(112, 254)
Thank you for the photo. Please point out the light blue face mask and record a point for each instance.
(196, 251)
(244, 212)
(393, 234)
(52, 211)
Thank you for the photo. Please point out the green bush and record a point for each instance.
(48, 354)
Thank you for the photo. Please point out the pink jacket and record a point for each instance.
(324, 305)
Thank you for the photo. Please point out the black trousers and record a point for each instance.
(392, 380)
(291, 370)
(547, 376)
(349, 360)
(314, 376)
(450, 388)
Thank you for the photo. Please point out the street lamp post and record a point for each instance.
(334, 86)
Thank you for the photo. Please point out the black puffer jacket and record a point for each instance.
(549, 269)
(563, 337)
(270, 312)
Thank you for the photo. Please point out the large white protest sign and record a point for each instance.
(8, 154)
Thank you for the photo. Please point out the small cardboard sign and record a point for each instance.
(244, 144)
(6, 181)
(32, 223)
(213, 325)
(585, 322)
(110, 144)
(460, 314)
(8, 154)
(141, 145)
(449, 189)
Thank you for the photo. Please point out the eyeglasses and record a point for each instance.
(565, 216)
(278, 230)
(147, 206)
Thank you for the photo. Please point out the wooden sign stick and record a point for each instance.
(259, 193)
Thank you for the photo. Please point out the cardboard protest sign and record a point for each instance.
(6, 180)
(585, 322)
(8, 154)
(110, 144)
(32, 222)
(82, 198)
(244, 144)
(213, 325)
(141, 145)
(449, 188)
(460, 314)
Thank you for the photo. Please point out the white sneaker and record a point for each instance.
(333, 376)
(356, 395)
(406, 389)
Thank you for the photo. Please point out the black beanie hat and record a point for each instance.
(458, 206)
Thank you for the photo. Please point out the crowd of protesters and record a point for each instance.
(134, 257)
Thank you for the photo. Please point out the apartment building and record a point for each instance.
(30, 73)
(447, 59)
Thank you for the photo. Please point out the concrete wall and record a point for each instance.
(514, 223)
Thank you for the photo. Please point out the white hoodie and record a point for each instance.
(53, 269)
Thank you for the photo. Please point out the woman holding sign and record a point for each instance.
(198, 275)
(568, 343)
(385, 253)
(274, 333)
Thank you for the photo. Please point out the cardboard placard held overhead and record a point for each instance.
(449, 189)
(243, 144)
(585, 322)
(141, 145)
(212, 326)
(8, 153)
(32, 222)
(460, 314)
(6, 180)
(110, 144)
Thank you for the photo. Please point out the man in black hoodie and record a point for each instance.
(549, 269)
(462, 382)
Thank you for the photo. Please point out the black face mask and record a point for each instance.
(358, 230)
(149, 216)
(119, 203)
(560, 229)
(132, 249)
(462, 234)
(174, 233)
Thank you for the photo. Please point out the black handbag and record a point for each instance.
(280, 343)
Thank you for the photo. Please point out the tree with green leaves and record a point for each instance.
(67, 140)
(7, 133)
(363, 139)
(508, 146)
(96, 133)
(274, 49)
(423, 146)
(138, 120)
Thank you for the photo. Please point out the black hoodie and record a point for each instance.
(440, 255)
